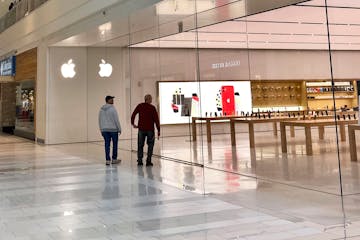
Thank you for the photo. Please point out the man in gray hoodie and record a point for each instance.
(110, 129)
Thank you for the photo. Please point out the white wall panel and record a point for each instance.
(74, 104)
(98, 88)
(67, 98)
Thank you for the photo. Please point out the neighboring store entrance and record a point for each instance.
(24, 121)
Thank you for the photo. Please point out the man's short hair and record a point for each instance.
(147, 96)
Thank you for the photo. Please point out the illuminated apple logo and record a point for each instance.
(105, 69)
(68, 69)
(228, 100)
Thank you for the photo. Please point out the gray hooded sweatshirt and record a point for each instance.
(108, 119)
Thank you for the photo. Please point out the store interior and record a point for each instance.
(297, 63)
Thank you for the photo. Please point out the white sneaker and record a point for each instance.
(115, 161)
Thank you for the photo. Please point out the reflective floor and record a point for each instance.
(67, 192)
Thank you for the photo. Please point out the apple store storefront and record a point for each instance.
(243, 92)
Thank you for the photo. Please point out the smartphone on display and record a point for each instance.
(228, 100)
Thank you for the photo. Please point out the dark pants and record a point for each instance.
(108, 136)
(150, 140)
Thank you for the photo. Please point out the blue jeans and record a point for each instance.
(108, 136)
(150, 140)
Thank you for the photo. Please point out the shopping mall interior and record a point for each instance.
(258, 104)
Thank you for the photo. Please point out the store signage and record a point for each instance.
(227, 64)
(7, 66)
(105, 69)
(68, 69)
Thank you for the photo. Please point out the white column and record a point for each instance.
(41, 93)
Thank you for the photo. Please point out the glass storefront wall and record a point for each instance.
(343, 28)
(253, 103)
(171, 76)
(267, 79)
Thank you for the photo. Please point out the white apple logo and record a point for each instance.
(228, 100)
(68, 69)
(105, 69)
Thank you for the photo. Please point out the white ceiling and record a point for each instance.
(295, 27)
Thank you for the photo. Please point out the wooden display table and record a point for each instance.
(307, 124)
(352, 141)
(208, 124)
(274, 120)
(229, 118)
(251, 122)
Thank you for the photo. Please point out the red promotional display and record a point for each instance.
(228, 100)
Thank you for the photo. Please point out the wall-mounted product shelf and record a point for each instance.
(321, 94)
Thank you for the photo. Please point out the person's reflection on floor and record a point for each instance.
(140, 171)
(111, 189)
(150, 190)
(141, 186)
(145, 181)
(189, 178)
(149, 173)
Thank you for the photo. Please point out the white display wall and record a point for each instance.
(67, 98)
(99, 87)
(74, 103)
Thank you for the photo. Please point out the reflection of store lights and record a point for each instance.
(105, 28)
(183, 7)
(68, 213)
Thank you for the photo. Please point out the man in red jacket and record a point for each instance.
(148, 116)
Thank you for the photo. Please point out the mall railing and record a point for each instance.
(21, 9)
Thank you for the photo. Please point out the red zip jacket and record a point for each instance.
(148, 116)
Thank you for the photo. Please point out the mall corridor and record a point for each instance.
(258, 135)
(67, 192)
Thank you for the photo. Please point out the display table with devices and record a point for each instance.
(307, 124)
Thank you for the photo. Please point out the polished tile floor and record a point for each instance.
(67, 192)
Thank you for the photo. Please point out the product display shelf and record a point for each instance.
(272, 94)
(329, 97)
(321, 94)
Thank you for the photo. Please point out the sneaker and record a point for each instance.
(140, 163)
(149, 164)
(108, 162)
(115, 161)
